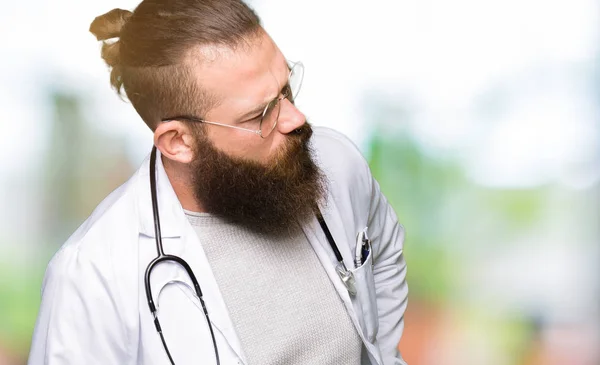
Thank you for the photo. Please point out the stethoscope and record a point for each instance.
(345, 275)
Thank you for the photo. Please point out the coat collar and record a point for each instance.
(170, 210)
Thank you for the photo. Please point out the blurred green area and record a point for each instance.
(19, 303)
(449, 219)
(443, 210)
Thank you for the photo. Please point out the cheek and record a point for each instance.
(242, 144)
(277, 142)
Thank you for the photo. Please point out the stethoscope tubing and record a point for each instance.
(165, 258)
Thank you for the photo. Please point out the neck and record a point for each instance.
(179, 178)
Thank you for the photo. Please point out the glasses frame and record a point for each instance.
(276, 102)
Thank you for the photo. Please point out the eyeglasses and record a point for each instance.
(265, 123)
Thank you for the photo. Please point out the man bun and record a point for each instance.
(105, 27)
(109, 25)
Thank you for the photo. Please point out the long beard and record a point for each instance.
(269, 199)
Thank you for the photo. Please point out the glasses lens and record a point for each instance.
(269, 119)
(296, 77)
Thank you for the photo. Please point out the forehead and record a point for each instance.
(242, 78)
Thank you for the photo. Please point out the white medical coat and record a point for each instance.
(94, 308)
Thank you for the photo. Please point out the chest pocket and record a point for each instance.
(365, 301)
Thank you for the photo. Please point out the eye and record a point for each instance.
(287, 93)
(287, 90)
(254, 119)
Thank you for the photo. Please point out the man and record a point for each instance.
(297, 254)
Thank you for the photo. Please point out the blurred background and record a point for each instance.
(480, 119)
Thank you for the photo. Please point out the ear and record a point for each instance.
(175, 141)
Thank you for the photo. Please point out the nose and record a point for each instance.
(290, 117)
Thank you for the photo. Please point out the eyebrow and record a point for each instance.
(261, 108)
(258, 109)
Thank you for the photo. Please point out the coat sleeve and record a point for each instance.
(79, 321)
(389, 271)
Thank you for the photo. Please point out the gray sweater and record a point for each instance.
(281, 301)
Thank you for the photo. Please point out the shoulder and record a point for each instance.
(338, 155)
(94, 271)
(343, 164)
(103, 237)
(81, 279)
(332, 146)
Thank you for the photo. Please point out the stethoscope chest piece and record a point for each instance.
(347, 278)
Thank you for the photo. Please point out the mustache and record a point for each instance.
(297, 141)
(305, 131)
